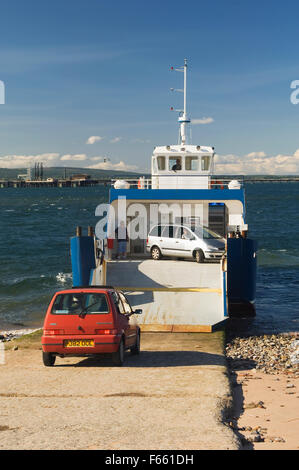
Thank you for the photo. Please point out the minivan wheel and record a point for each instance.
(199, 256)
(48, 359)
(119, 356)
(136, 348)
(156, 253)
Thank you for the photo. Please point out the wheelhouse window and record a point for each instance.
(161, 163)
(205, 163)
(175, 163)
(76, 303)
(191, 163)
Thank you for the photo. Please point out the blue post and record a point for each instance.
(83, 259)
(241, 276)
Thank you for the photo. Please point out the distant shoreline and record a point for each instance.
(106, 181)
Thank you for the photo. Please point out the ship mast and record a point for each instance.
(183, 118)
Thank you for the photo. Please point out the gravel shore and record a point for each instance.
(264, 374)
(270, 354)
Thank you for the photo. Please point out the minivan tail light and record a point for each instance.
(53, 332)
(105, 332)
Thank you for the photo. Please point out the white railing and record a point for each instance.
(140, 183)
(215, 182)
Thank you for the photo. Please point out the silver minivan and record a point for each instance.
(179, 241)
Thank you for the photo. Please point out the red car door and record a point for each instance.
(122, 320)
(132, 320)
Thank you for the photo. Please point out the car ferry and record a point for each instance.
(159, 273)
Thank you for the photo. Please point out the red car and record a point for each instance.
(87, 321)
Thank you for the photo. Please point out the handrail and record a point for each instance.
(215, 182)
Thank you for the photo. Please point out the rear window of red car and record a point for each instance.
(76, 303)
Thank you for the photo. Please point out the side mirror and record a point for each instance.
(138, 311)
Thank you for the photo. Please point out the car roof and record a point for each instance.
(88, 289)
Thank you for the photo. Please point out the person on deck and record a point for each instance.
(121, 234)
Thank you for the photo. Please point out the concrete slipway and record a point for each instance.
(172, 396)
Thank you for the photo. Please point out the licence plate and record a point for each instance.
(78, 343)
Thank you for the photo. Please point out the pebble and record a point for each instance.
(255, 437)
(275, 439)
(270, 354)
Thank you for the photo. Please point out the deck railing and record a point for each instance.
(215, 182)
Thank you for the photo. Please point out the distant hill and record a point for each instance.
(59, 172)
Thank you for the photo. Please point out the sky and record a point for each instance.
(88, 83)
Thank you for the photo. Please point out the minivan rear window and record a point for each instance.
(76, 303)
(168, 231)
(156, 231)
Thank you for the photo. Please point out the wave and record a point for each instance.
(29, 285)
(278, 258)
(64, 277)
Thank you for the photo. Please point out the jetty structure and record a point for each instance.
(175, 294)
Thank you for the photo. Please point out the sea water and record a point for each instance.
(36, 225)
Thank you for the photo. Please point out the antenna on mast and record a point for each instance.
(183, 118)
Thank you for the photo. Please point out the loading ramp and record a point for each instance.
(175, 296)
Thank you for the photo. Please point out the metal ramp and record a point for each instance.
(174, 295)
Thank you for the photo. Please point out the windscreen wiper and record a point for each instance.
(84, 311)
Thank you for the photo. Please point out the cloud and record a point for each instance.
(257, 163)
(78, 157)
(115, 140)
(97, 158)
(108, 165)
(93, 139)
(255, 154)
(55, 159)
(25, 161)
(204, 120)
